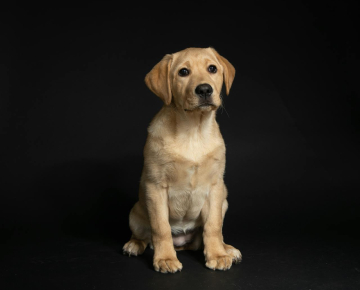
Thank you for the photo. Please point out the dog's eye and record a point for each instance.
(212, 69)
(183, 72)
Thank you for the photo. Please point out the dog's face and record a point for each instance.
(196, 78)
(191, 79)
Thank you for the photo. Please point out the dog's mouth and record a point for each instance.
(203, 106)
(206, 105)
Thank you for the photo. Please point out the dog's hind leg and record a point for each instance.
(141, 232)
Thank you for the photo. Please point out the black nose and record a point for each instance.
(204, 90)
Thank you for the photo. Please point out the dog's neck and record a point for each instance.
(194, 122)
(173, 122)
(189, 134)
(193, 126)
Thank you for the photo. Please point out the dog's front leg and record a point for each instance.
(216, 255)
(165, 259)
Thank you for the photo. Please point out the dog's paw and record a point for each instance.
(170, 265)
(234, 253)
(134, 247)
(219, 262)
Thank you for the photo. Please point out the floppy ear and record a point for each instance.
(158, 79)
(229, 70)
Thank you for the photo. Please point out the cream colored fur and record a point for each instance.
(182, 191)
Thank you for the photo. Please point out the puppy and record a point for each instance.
(182, 195)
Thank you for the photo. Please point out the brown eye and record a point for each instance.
(212, 69)
(183, 72)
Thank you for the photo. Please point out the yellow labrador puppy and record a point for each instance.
(182, 195)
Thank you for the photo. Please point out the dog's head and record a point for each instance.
(191, 79)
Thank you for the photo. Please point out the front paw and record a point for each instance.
(167, 265)
(234, 253)
(219, 261)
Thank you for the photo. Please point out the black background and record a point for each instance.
(75, 114)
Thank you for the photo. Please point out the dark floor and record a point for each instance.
(317, 260)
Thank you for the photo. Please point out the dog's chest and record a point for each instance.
(190, 182)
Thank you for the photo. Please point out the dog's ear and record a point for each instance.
(229, 70)
(158, 79)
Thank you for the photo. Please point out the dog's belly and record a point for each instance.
(183, 238)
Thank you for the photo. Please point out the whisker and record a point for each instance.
(222, 106)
